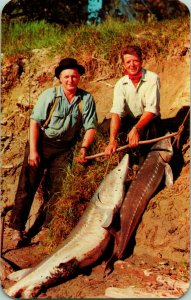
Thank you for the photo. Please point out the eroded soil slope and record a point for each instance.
(158, 255)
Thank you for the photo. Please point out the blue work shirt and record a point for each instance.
(64, 124)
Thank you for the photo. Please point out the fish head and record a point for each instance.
(119, 173)
(165, 149)
(110, 193)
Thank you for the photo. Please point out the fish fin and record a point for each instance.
(168, 176)
(108, 219)
(16, 276)
(110, 262)
(110, 265)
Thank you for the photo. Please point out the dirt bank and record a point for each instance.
(158, 258)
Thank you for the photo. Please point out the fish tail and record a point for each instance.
(110, 265)
(110, 262)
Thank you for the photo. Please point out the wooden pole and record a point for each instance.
(128, 146)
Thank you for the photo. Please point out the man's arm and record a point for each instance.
(87, 141)
(34, 131)
(114, 129)
(88, 137)
(133, 136)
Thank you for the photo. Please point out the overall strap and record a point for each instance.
(45, 125)
(79, 109)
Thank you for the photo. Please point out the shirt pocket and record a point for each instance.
(58, 121)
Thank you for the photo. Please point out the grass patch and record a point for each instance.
(103, 40)
(79, 186)
(24, 37)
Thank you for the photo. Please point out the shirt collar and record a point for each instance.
(61, 93)
(126, 79)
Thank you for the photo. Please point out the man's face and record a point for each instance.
(69, 79)
(132, 64)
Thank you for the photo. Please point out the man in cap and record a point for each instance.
(54, 127)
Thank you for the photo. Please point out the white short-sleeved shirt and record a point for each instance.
(134, 101)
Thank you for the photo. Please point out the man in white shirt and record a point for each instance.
(136, 101)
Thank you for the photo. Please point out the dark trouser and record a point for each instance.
(54, 159)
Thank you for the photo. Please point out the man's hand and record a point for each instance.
(133, 138)
(87, 140)
(111, 148)
(81, 158)
(34, 159)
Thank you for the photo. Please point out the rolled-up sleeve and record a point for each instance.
(39, 113)
(118, 106)
(89, 114)
(153, 97)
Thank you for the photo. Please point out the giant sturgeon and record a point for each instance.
(84, 245)
(141, 189)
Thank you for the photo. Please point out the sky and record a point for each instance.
(3, 296)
